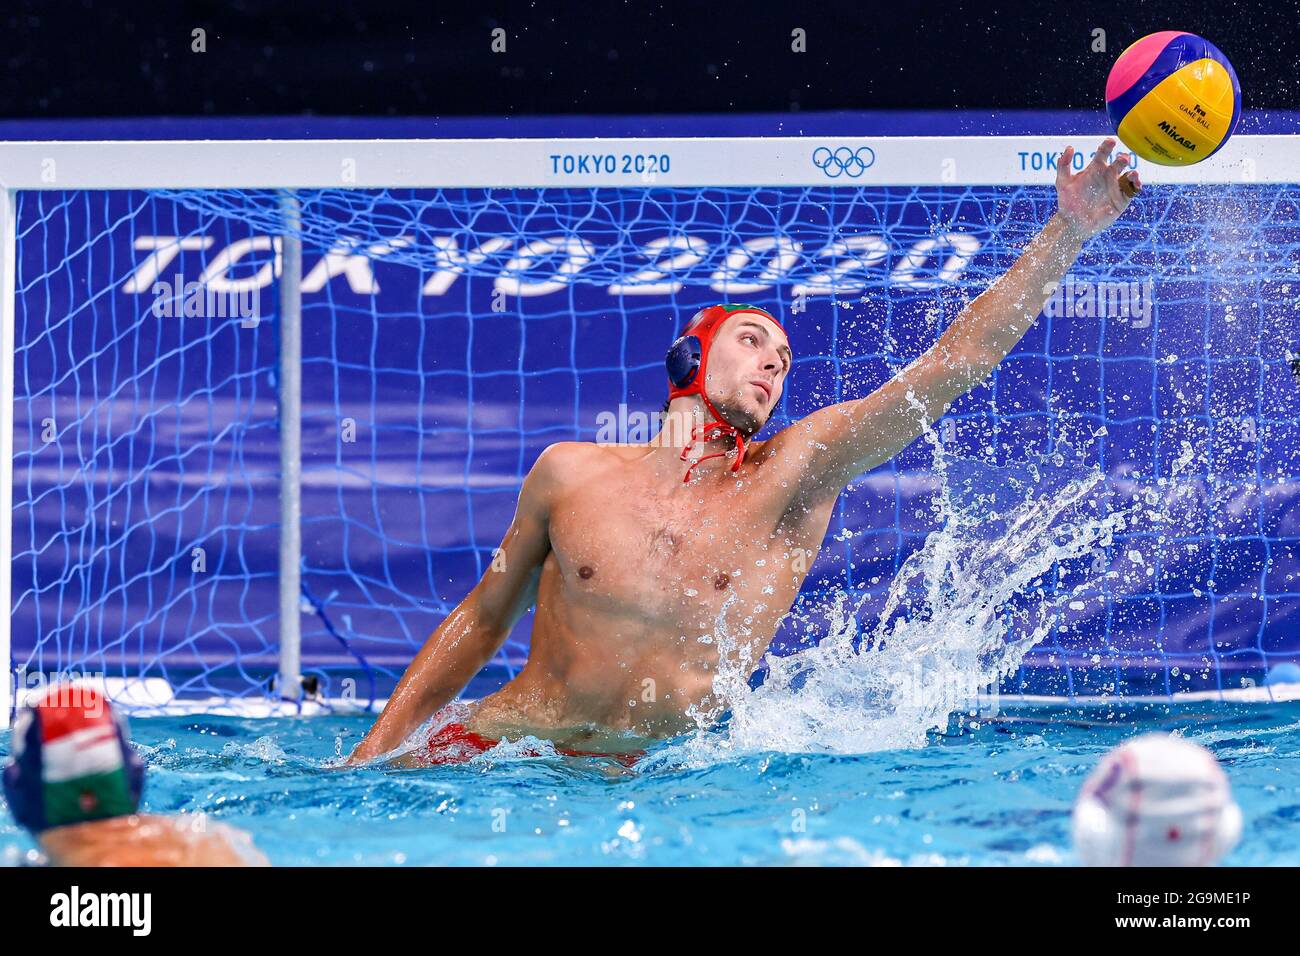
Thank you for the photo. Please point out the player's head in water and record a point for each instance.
(74, 780)
(1156, 800)
(735, 358)
(71, 761)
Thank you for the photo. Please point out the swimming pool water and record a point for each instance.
(998, 794)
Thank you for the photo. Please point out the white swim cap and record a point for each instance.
(1156, 800)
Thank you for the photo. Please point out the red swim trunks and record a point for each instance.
(456, 743)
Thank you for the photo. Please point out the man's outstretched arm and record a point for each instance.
(833, 445)
(476, 629)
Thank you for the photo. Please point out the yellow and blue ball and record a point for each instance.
(1173, 98)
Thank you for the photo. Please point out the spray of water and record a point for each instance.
(961, 613)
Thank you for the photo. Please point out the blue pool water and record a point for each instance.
(993, 795)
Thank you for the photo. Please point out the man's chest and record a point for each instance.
(649, 553)
(635, 529)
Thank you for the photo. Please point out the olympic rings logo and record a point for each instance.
(843, 161)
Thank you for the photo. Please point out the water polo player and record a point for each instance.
(637, 557)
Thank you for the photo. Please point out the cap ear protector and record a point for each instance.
(71, 763)
(683, 360)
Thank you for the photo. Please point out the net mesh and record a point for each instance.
(450, 335)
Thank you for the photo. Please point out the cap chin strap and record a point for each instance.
(719, 427)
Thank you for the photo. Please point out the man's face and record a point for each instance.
(748, 362)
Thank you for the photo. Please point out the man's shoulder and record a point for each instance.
(564, 462)
(566, 451)
(573, 451)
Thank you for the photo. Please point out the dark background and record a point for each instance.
(430, 58)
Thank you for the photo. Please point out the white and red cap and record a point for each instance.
(1156, 800)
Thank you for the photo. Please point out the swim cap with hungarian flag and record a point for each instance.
(71, 761)
(687, 363)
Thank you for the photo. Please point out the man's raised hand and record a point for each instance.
(1093, 198)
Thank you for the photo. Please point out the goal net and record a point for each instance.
(451, 331)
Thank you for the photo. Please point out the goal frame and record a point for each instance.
(288, 165)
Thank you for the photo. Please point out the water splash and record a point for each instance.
(961, 613)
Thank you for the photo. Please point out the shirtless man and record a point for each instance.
(632, 569)
(74, 780)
